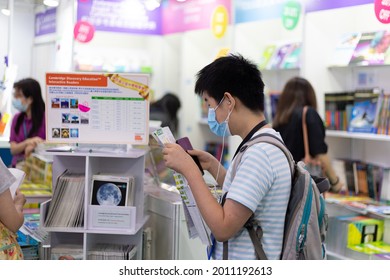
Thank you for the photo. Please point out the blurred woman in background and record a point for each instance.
(28, 126)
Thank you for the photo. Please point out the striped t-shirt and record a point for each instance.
(262, 183)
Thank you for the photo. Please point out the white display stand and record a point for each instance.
(129, 229)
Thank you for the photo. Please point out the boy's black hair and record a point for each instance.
(233, 74)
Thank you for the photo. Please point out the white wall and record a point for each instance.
(3, 42)
(23, 28)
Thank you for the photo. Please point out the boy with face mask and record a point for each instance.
(234, 91)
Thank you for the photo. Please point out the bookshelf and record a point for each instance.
(357, 135)
(130, 163)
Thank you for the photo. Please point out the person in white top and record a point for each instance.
(233, 89)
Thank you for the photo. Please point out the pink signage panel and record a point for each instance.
(190, 15)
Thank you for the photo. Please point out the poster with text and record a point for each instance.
(97, 108)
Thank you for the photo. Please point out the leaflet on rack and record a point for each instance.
(195, 223)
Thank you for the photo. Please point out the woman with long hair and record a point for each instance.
(28, 126)
(298, 93)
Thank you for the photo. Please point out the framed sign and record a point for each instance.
(97, 108)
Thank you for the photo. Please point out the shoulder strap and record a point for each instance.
(305, 135)
(255, 236)
(265, 138)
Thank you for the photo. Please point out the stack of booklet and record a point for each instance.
(112, 252)
(67, 252)
(67, 205)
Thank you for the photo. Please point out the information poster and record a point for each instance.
(97, 108)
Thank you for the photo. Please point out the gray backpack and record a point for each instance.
(306, 218)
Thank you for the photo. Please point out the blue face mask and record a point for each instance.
(18, 105)
(220, 129)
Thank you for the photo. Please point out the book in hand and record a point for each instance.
(112, 190)
(19, 175)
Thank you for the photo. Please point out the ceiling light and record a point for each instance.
(51, 3)
(5, 12)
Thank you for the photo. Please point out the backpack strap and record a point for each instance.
(265, 138)
(254, 235)
(257, 234)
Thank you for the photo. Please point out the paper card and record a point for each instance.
(19, 175)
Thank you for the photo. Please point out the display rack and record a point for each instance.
(130, 163)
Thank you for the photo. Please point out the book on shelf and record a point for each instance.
(361, 169)
(292, 58)
(344, 49)
(365, 231)
(112, 190)
(112, 252)
(218, 151)
(337, 235)
(274, 99)
(338, 109)
(276, 61)
(266, 56)
(382, 115)
(371, 48)
(361, 178)
(339, 167)
(67, 252)
(368, 251)
(66, 208)
(385, 256)
(363, 116)
(384, 193)
(374, 178)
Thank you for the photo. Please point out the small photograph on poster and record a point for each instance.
(74, 133)
(64, 132)
(74, 118)
(65, 118)
(55, 103)
(64, 103)
(84, 119)
(74, 103)
(55, 133)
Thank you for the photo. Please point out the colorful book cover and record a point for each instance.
(345, 48)
(365, 231)
(371, 48)
(371, 248)
(274, 99)
(363, 116)
(266, 57)
(292, 58)
(278, 57)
